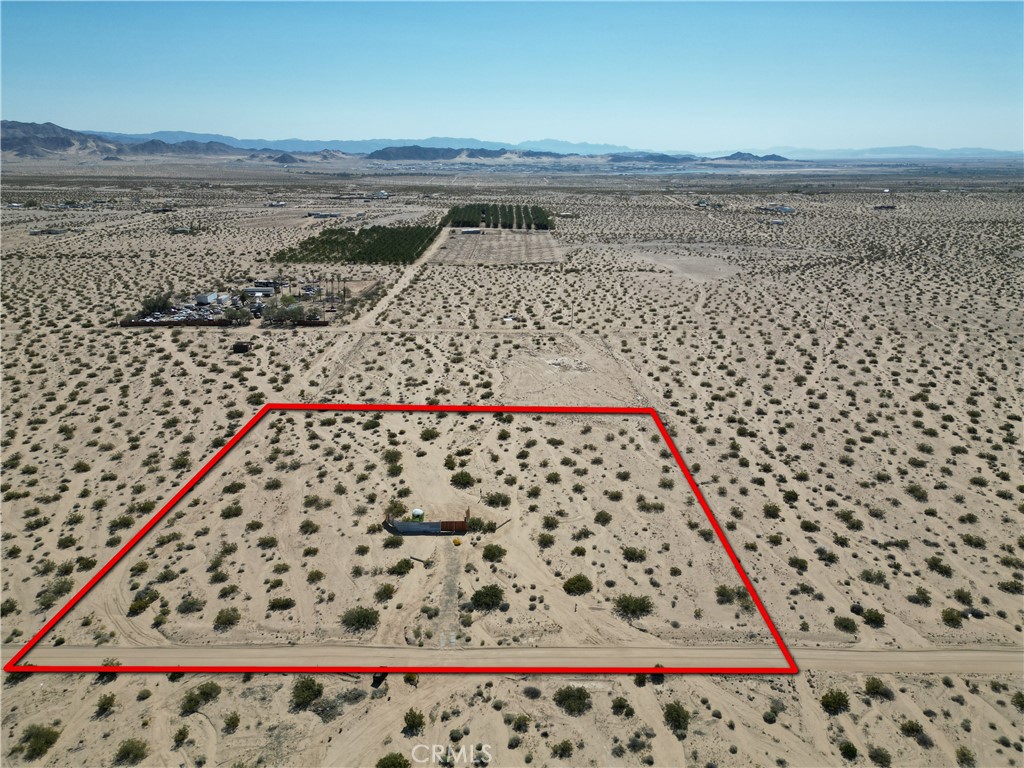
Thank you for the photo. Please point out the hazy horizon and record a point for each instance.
(658, 76)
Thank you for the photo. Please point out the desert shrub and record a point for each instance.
(180, 736)
(573, 699)
(911, 728)
(401, 568)
(231, 721)
(952, 617)
(725, 594)
(131, 752)
(394, 760)
(876, 688)
(577, 585)
(414, 721)
(847, 750)
(487, 598)
(921, 596)
(305, 690)
(37, 740)
(835, 701)
(916, 492)
(463, 479)
(1012, 587)
(493, 553)
(230, 511)
(845, 624)
(531, 692)
(621, 707)
(384, 593)
(226, 618)
(634, 554)
(280, 603)
(562, 749)
(393, 542)
(677, 718)
(965, 758)
(497, 499)
(1018, 700)
(191, 604)
(873, 618)
(360, 619)
(879, 756)
(198, 696)
(105, 704)
(602, 517)
(633, 606)
(545, 540)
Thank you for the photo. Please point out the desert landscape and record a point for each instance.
(835, 351)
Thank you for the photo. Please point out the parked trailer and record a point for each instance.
(428, 528)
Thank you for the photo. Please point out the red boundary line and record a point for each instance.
(790, 669)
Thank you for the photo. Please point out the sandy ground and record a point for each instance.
(846, 389)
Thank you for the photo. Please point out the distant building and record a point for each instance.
(276, 204)
(471, 231)
(254, 291)
(204, 299)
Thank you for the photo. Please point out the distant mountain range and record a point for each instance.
(47, 139)
(910, 152)
(366, 146)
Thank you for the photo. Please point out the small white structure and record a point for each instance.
(205, 299)
(471, 231)
(417, 514)
(254, 291)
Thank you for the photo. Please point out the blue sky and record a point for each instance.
(669, 76)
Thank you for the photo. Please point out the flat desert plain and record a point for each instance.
(845, 387)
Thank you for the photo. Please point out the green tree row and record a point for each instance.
(371, 245)
(493, 216)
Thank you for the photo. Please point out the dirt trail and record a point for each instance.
(369, 320)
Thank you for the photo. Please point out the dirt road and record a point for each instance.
(981, 660)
